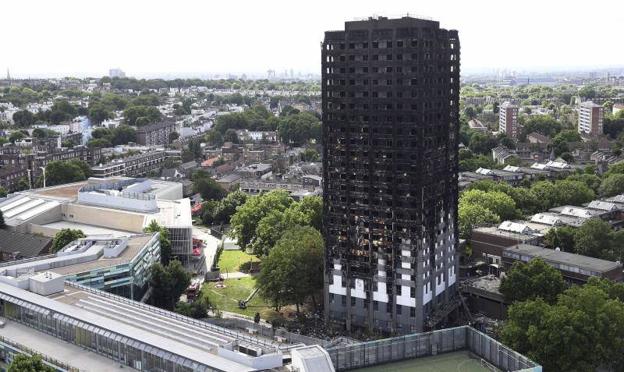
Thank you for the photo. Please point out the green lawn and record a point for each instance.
(226, 299)
(230, 261)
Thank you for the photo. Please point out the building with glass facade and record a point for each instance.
(128, 333)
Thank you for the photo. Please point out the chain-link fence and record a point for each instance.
(431, 343)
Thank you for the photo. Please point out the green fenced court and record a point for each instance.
(460, 361)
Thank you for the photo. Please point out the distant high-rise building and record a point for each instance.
(508, 120)
(116, 73)
(390, 140)
(590, 119)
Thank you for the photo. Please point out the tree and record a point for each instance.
(64, 237)
(2, 223)
(247, 217)
(528, 281)
(214, 138)
(612, 184)
(16, 136)
(173, 136)
(219, 212)
(59, 172)
(561, 237)
(165, 242)
(593, 239)
(207, 187)
(587, 92)
(471, 215)
(299, 128)
(122, 135)
(470, 112)
(310, 154)
(582, 331)
(499, 203)
(25, 363)
(198, 309)
(544, 191)
(98, 113)
(481, 143)
(591, 180)
(168, 283)
(23, 118)
(543, 124)
(141, 115)
(294, 268)
(230, 136)
(572, 193)
(3, 192)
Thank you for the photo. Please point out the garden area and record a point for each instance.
(232, 261)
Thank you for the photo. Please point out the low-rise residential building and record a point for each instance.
(132, 166)
(488, 243)
(502, 154)
(15, 245)
(230, 181)
(575, 268)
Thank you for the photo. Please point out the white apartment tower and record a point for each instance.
(590, 119)
(508, 120)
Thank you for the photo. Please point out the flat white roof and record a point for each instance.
(88, 229)
(154, 339)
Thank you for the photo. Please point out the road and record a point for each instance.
(212, 244)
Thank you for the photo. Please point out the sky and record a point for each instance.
(41, 38)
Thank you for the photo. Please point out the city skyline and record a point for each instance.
(205, 39)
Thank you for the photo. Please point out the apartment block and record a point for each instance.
(390, 96)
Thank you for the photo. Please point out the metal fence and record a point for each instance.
(237, 335)
(427, 344)
(266, 330)
(23, 349)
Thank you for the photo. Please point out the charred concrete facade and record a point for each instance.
(390, 128)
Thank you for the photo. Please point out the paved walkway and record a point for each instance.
(234, 275)
(212, 244)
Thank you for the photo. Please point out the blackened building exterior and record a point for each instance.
(390, 128)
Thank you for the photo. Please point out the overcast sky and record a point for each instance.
(65, 37)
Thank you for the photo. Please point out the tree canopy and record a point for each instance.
(165, 242)
(205, 185)
(582, 331)
(59, 172)
(260, 222)
(26, 363)
(293, 270)
(528, 281)
(64, 237)
(168, 283)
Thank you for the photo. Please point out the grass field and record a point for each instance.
(226, 299)
(459, 361)
(230, 261)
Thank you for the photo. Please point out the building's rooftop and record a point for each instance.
(559, 257)
(603, 205)
(135, 322)
(86, 228)
(71, 354)
(135, 244)
(488, 283)
(26, 245)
